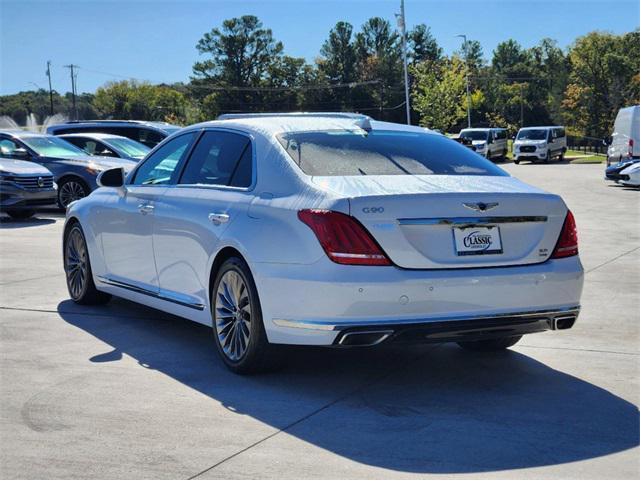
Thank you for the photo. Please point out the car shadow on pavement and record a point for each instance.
(424, 409)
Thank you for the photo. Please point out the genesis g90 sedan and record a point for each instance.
(326, 229)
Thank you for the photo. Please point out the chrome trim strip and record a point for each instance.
(149, 293)
(333, 326)
(471, 220)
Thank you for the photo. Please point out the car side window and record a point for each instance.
(220, 158)
(148, 137)
(7, 147)
(159, 168)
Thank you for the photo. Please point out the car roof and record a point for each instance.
(22, 133)
(160, 126)
(96, 135)
(481, 129)
(542, 127)
(274, 123)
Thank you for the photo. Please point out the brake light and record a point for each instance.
(567, 245)
(343, 238)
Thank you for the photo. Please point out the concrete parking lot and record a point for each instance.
(123, 391)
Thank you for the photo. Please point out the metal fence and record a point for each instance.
(587, 144)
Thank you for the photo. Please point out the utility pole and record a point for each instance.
(50, 89)
(521, 106)
(466, 60)
(73, 89)
(403, 32)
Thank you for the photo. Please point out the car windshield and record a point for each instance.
(474, 134)
(350, 153)
(534, 134)
(130, 147)
(50, 146)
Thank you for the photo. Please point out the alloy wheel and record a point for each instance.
(233, 315)
(75, 263)
(71, 191)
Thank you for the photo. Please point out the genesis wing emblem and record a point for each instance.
(481, 207)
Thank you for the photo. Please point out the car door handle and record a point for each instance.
(218, 218)
(145, 208)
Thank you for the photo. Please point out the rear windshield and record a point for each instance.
(379, 152)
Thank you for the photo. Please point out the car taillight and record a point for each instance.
(567, 245)
(343, 238)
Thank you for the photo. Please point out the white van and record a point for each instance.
(488, 142)
(624, 143)
(540, 143)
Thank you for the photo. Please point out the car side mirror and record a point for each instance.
(113, 177)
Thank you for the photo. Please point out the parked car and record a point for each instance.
(624, 143)
(630, 176)
(107, 145)
(147, 133)
(24, 186)
(613, 171)
(74, 171)
(539, 143)
(488, 142)
(332, 230)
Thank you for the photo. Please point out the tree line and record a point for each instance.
(243, 68)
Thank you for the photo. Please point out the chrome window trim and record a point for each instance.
(378, 323)
(471, 220)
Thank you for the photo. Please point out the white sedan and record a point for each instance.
(630, 176)
(326, 229)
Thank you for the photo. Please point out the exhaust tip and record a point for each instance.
(365, 338)
(564, 322)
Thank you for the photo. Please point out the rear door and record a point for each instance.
(213, 191)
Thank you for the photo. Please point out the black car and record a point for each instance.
(24, 186)
(613, 171)
(148, 133)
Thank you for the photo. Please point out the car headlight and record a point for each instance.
(94, 169)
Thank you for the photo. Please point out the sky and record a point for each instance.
(155, 40)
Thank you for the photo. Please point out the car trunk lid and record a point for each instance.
(422, 221)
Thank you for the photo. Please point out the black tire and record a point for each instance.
(490, 345)
(230, 314)
(547, 158)
(77, 267)
(516, 161)
(21, 214)
(71, 189)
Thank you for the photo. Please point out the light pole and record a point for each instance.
(50, 89)
(403, 32)
(466, 60)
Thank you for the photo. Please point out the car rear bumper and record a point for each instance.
(316, 305)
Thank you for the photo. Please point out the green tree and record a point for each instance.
(602, 80)
(130, 99)
(423, 45)
(439, 93)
